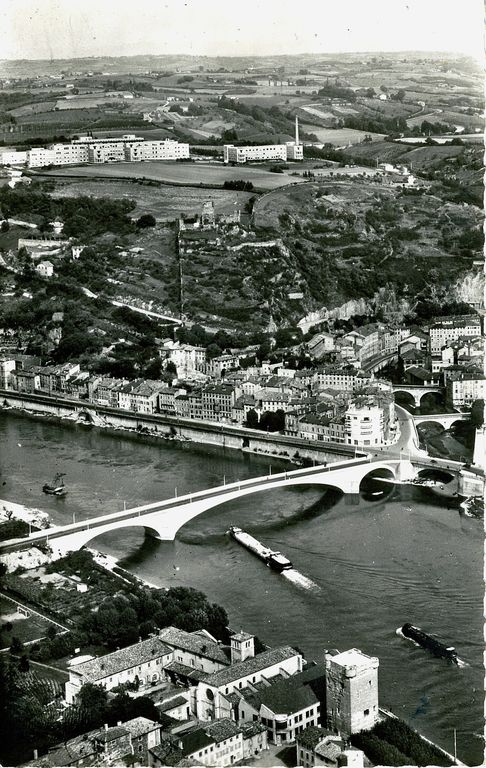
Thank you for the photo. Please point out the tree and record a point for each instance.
(146, 220)
(91, 701)
(16, 646)
(170, 367)
(252, 419)
(477, 413)
(24, 665)
(5, 226)
(51, 631)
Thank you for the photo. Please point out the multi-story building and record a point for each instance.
(450, 329)
(291, 150)
(217, 401)
(213, 699)
(143, 662)
(464, 387)
(232, 154)
(284, 706)
(351, 691)
(186, 358)
(370, 418)
(7, 366)
(86, 149)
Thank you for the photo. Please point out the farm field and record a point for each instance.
(340, 136)
(25, 628)
(183, 173)
(163, 202)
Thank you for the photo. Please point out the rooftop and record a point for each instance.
(354, 658)
(125, 658)
(311, 736)
(139, 726)
(249, 666)
(194, 643)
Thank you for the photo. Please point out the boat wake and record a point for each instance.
(299, 579)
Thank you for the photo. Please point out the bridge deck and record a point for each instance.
(222, 490)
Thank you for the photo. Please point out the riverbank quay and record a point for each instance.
(175, 428)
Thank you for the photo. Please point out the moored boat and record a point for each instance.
(273, 559)
(57, 488)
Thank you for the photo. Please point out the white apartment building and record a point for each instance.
(87, 149)
(232, 154)
(465, 389)
(11, 157)
(370, 419)
(186, 358)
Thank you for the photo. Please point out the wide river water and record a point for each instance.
(369, 565)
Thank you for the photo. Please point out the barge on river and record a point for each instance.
(274, 560)
(426, 641)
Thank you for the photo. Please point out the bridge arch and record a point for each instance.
(164, 522)
(406, 398)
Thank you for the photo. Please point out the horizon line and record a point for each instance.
(462, 54)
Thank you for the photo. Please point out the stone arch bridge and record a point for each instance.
(417, 391)
(163, 519)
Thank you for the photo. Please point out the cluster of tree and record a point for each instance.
(128, 85)
(239, 184)
(396, 733)
(185, 79)
(381, 124)
(331, 91)
(83, 216)
(269, 421)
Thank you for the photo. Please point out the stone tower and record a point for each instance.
(351, 691)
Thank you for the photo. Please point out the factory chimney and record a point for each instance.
(296, 130)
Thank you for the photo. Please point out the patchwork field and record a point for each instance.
(25, 628)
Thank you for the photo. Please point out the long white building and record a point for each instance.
(291, 150)
(86, 149)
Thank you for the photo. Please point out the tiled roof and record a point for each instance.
(194, 643)
(166, 706)
(249, 666)
(139, 726)
(287, 696)
(167, 753)
(195, 740)
(252, 729)
(311, 736)
(220, 730)
(330, 749)
(125, 658)
(185, 671)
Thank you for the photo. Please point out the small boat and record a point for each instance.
(57, 488)
(273, 559)
(426, 641)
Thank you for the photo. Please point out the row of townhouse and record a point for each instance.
(212, 683)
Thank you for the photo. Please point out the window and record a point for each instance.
(366, 712)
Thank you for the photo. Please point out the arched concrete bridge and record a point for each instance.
(164, 518)
(417, 391)
(446, 420)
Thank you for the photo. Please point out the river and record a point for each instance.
(369, 565)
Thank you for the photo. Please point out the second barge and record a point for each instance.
(273, 559)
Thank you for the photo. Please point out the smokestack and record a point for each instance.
(296, 130)
(36, 754)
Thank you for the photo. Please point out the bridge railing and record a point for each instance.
(258, 482)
